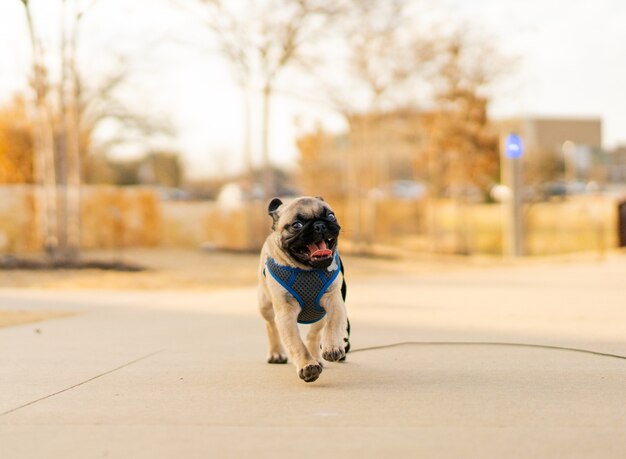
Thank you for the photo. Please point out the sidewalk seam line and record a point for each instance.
(81, 383)
(487, 343)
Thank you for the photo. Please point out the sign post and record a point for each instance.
(511, 176)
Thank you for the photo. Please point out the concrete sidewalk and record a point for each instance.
(181, 374)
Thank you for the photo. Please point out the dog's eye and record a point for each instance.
(332, 217)
(297, 225)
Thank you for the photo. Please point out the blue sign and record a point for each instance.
(513, 146)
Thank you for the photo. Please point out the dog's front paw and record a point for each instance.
(334, 354)
(277, 358)
(310, 373)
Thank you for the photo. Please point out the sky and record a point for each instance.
(569, 61)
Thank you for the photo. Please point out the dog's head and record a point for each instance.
(307, 228)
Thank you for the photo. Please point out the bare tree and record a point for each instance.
(67, 112)
(260, 40)
(386, 57)
(385, 61)
(462, 149)
(69, 130)
(44, 136)
(57, 139)
(460, 136)
(393, 61)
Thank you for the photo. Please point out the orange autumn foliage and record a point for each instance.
(16, 144)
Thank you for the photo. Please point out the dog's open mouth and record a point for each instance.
(320, 251)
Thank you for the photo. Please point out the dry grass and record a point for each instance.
(167, 270)
(184, 269)
(12, 318)
(179, 269)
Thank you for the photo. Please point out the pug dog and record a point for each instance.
(301, 281)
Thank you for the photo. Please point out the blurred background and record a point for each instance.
(170, 123)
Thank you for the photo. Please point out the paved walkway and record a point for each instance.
(181, 374)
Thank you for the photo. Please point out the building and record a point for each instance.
(543, 133)
(558, 148)
(377, 151)
(616, 165)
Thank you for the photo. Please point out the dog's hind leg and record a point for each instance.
(277, 352)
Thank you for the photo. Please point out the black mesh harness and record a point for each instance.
(306, 285)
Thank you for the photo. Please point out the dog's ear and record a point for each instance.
(320, 198)
(274, 205)
(272, 210)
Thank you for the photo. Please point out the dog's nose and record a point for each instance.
(319, 227)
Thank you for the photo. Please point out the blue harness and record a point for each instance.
(306, 285)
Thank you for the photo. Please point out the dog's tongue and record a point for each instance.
(319, 250)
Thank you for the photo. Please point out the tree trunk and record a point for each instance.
(354, 186)
(73, 153)
(251, 233)
(44, 144)
(268, 180)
